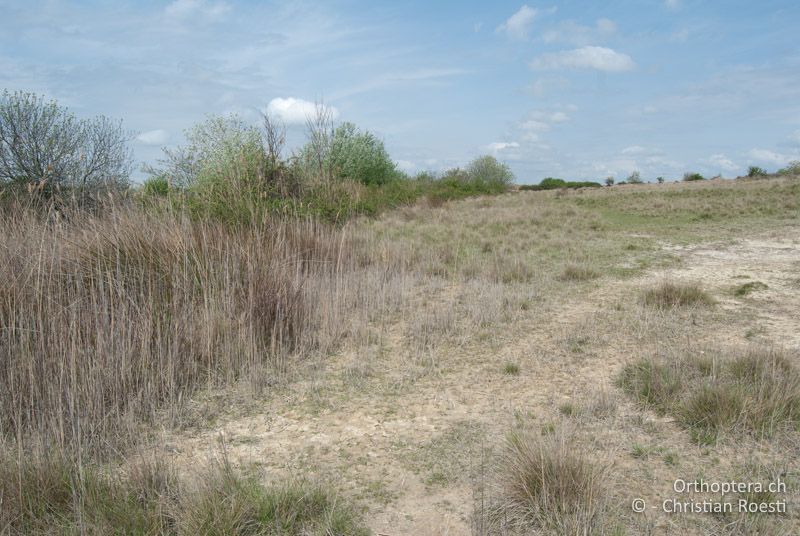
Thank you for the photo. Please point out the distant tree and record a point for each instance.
(755, 171)
(690, 176)
(610, 181)
(792, 169)
(660, 180)
(634, 178)
(489, 169)
(43, 143)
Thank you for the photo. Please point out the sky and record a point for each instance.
(577, 90)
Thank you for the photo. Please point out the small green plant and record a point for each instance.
(756, 172)
(748, 288)
(512, 369)
(692, 176)
(156, 186)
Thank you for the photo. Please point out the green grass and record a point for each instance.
(668, 295)
(757, 393)
(54, 495)
(748, 288)
(512, 369)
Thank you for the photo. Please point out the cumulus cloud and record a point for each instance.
(499, 146)
(518, 25)
(589, 57)
(294, 111)
(771, 157)
(722, 162)
(153, 137)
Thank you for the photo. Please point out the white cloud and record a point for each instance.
(181, 9)
(153, 137)
(722, 162)
(499, 146)
(294, 111)
(590, 57)
(518, 25)
(771, 157)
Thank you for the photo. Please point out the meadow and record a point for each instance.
(249, 343)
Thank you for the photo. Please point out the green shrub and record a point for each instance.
(551, 183)
(691, 176)
(755, 172)
(792, 169)
(609, 181)
(157, 186)
(360, 156)
(487, 169)
(747, 288)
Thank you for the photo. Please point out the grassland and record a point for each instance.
(525, 363)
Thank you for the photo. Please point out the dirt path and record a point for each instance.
(412, 441)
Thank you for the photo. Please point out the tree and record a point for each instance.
(609, 181)
(635, 178)
(43, 143)
(488, 169)
(660, 180)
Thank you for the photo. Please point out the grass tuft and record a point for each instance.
(574, 272)
(547, 483)
(757, 393)
(668, 295)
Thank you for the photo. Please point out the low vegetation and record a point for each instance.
(546, 484)
(756, 393)
(670, 294)
(53, 495)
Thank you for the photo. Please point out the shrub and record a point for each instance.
(660, 180)
(691, 176)
(43, 143)
(792, 169)
(756, 172)
(360, 157)
(747, 288)
(609, 181)
(156, 185)
(489, 170)
(550, 183)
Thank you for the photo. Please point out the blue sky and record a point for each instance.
(578, 90)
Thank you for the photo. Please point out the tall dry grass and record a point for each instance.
(105, 321)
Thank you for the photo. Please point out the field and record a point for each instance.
(525, 363)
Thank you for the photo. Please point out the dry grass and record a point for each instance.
(547, 484)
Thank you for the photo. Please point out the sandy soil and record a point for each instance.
(411, 436)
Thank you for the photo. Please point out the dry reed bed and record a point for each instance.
(105, 321)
